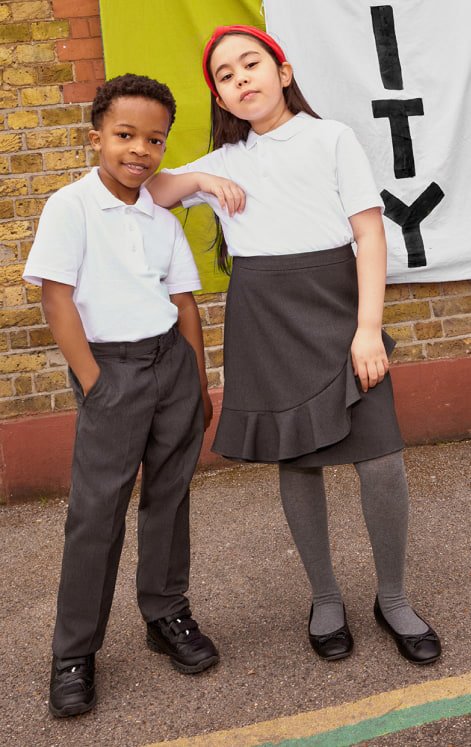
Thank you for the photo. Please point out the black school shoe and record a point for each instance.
(72, 689)
(332, 646)
(419, 649)
(179, 637)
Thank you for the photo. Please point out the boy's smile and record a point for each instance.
(131, 144)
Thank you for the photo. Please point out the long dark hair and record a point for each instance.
(227, 128)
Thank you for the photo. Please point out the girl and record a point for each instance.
(306, 369)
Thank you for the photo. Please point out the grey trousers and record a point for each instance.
(145, 408)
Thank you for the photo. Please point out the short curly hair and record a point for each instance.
(131, 85)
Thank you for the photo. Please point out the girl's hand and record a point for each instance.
(207, 407)
(369, 359)
(230, 196)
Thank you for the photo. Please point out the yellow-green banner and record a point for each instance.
(165, 40)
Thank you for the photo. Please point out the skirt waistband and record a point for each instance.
(123, 350)
(295, 261)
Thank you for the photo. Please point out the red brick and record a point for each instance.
(99, 69)
(94, 26)
(74, 9)
(79, 49)
(84, 71)
(77, 92)
(79, 28)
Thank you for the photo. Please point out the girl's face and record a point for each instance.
(250, 83)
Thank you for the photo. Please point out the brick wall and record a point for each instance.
(51, 62)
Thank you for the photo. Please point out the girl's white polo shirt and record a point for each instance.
(302, 180)
(124, 261)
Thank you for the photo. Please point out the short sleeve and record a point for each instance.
(58, 247)
(182, 274)
(356, 184)
(211, 163)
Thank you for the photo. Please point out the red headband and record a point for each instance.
(250, 31)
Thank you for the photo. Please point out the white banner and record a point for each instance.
(400, 75)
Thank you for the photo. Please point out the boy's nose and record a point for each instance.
(139, 148)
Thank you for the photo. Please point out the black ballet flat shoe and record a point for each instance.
(332, 646)
(419, 649)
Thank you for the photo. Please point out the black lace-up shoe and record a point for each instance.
(424, 648)
(332, 646)
(179, 637)
(72, 688)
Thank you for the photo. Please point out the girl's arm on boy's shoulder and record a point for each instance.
(67, 330)
(189, 325)
(370, 362)
(168, 189)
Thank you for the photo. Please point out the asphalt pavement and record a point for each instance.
(250, 593)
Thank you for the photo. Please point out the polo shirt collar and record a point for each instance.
(285, 132)
(107, 200)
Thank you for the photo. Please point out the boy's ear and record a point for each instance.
(286, 74)
(95, 139)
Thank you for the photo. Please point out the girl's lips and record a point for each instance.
(248, 95)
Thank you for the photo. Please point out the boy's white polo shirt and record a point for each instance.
(302, 180)
(124, 261)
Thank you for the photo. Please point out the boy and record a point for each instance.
(117, 277)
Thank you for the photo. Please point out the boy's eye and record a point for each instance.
(124, 135)
(156, 141)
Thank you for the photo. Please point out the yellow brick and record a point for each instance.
(23, 384)
(61, 160)
(27, 163)
(401, 312)
(20, 76)
(21, 317)
(400, 332)
(47, 138)
(212, 336)
(4, 165)
(214, 358)
(6, 209)
(203, 315)
(25, 406)
(209, 297)
(397, 292)
(41, 96)
(23, 120)
(22, 362)
(10, 143)
(15, 230)
(18, 340)
(215, 378)
(6, 389)
(31, 10)
(8, 252)
(425, 290)
(7, 55)
(458, 286)
(33, 294)
(64, 401)
(25, 247)
(50, 381)
(8, 99)
(50, 183)
(27, 208)
(460, 325)
(15, 32)
(14, 295)
(41, 338)
(61, 116)
(452, 306)
(11, 274)
(2, 121)
(449, 348)
(36, 52)
(5, 12)
(404, 353)
(55, 358)
(427, 330)
(43, 30)
(78, 136)
(3, 342)
(13, 187)
(216, 314)
(93, 158)
(59, 73)
(87, 114)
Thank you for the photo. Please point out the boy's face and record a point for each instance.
(131, 144)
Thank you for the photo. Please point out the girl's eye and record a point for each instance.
(226, 77)
(252, 64)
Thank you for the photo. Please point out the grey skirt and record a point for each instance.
(290, 393)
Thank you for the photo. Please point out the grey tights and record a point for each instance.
(385, 504)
